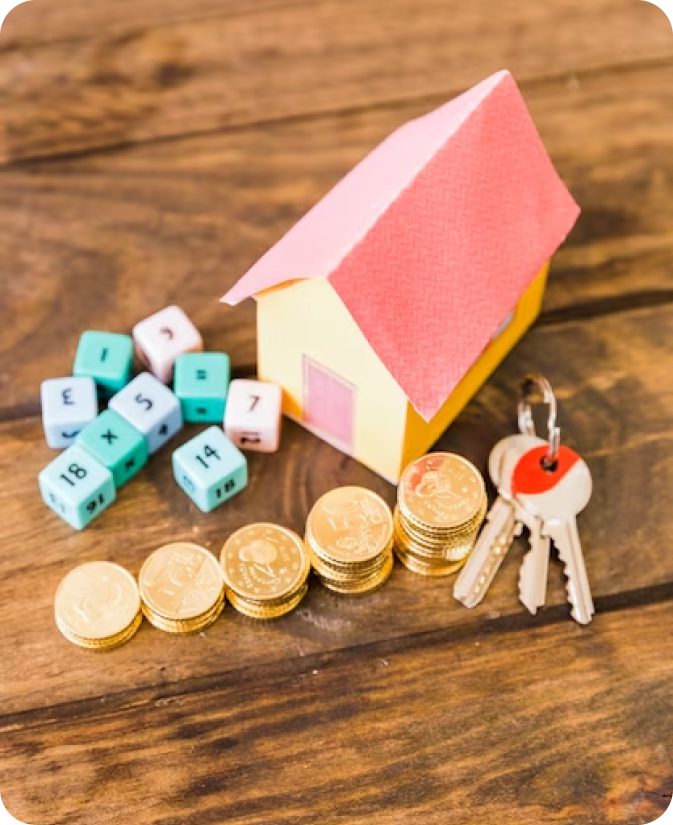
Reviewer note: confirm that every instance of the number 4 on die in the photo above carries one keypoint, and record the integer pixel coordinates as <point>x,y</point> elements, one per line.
<point>252,415</point>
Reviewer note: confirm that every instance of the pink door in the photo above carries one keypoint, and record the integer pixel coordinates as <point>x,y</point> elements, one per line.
<point>328,405</point>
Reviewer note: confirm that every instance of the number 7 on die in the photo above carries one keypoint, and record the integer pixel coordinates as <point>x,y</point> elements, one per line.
<point>252,415</point>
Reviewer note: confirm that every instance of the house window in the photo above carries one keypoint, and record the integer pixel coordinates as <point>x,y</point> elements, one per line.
<point>329,403</point>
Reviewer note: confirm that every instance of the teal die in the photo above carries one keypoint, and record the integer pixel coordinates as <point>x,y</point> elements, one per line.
<point>76,486</point>
<point>116,444</point>
<point>210,469</point>
<point>107,357</point>
<point>201,381</point>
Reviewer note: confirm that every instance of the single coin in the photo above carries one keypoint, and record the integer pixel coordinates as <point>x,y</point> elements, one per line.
<point>441,490</point>
<point>264,561</point>
<point>96,601</point>
<point>349,524</point>
<point>454,547</point>
<point>180,581</point>
<point>185,626</point>
<point>424,569</point>
<point>361,586</point>
<point>257,610</point>
<point>102,644</point>
<point>327,571</point>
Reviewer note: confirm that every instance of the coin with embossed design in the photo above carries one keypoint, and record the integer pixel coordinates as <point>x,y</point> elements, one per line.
<point>264,562</point>
<point>180,581</point>
<point>349,525</point>
<point>97,604</point>
<point>441,491</point>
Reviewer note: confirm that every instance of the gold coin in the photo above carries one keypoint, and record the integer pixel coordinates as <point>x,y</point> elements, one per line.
<point>327,571</point>
<point>441,490</point>
<point>349,525</point>
<point>102,644</point>
<point>180,581</point>
<point>96,601</point>
<point>425,569</point>
<point>256,610</point>
<point>435,535</point>
<point>448,548</point>
<point>360,586</point>
<point>264,561</point>
<point>194,625</point>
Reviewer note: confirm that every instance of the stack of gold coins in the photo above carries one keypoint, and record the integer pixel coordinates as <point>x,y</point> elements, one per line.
<point>265,570</point>
<point>349,533</point>
<point>97,606</point>
<point>181,587</point>
<point>441,504</point>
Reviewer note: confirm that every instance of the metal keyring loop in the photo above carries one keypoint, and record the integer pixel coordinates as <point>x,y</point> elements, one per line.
<point>536,388</point>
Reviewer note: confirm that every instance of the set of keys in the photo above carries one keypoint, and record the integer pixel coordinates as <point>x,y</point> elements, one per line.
<point>542,486</point>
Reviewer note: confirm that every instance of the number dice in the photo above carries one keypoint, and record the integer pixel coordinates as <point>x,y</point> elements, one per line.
<point>163,336</point>
<point>68,404</point>
<point>200,381</point>
<point>151,408</point>
<point>107,357</point>
<point>252,415</point>
<point>76,486</point>
<point>115,444</point>
<point>210,469</point>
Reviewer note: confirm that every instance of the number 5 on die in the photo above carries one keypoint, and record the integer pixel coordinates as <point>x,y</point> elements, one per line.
<point>252,415</point>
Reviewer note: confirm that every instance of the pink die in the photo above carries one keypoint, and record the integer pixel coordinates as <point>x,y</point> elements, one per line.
<point>252,415</point>
<point>163,336</point>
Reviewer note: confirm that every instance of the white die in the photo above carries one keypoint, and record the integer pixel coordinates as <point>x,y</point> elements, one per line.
<point>163,336</point>
<point>151,408</point>
<point>68,405</point>
<point>252,415</point>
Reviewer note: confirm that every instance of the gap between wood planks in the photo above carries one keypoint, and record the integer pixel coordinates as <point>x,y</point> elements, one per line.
<point>391,104</point>
<point>109,704</point>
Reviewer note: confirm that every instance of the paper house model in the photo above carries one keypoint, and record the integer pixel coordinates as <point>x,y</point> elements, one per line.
<point>387,305</point>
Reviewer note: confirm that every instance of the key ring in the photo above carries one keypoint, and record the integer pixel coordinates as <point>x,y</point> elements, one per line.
<point>534,386</point>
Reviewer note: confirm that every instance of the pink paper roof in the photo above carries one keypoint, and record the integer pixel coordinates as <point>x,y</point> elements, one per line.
<point>432,238</point>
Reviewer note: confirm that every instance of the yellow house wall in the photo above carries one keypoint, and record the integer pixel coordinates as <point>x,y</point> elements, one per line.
<point>420,435</point>
<point>309,318</point>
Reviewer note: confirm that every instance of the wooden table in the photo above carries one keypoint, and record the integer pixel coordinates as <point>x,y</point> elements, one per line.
<point>151,150</point>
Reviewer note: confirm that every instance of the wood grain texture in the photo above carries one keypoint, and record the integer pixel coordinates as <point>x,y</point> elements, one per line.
<point>91,84</point>
<point>150,151</point>
<point>615,400</point>
<point>102,241</point>
<point>520,724</point>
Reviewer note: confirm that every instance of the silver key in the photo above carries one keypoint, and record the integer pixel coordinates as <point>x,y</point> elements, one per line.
<point>501,524</point>
<point>556,496</point>
<point>534,568</point>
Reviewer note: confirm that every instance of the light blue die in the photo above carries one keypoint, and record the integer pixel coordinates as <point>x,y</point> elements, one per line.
<point>107,357</point>
<point>210,469</point>
<point>76,486</point>
<point>150,407</point>
<point>68,405</point>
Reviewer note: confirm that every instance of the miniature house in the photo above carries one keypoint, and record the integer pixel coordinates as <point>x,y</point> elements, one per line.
<point>387,305</point>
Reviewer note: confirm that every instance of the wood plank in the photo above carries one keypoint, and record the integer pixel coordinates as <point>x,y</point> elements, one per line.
<point>96,85</point>
<point>612,377</point>
<point>101,241</point>
<point>554,724</point>
<point>73,20</point>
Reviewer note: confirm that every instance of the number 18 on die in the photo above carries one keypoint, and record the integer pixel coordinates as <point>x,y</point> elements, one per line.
<point>76,486</point>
